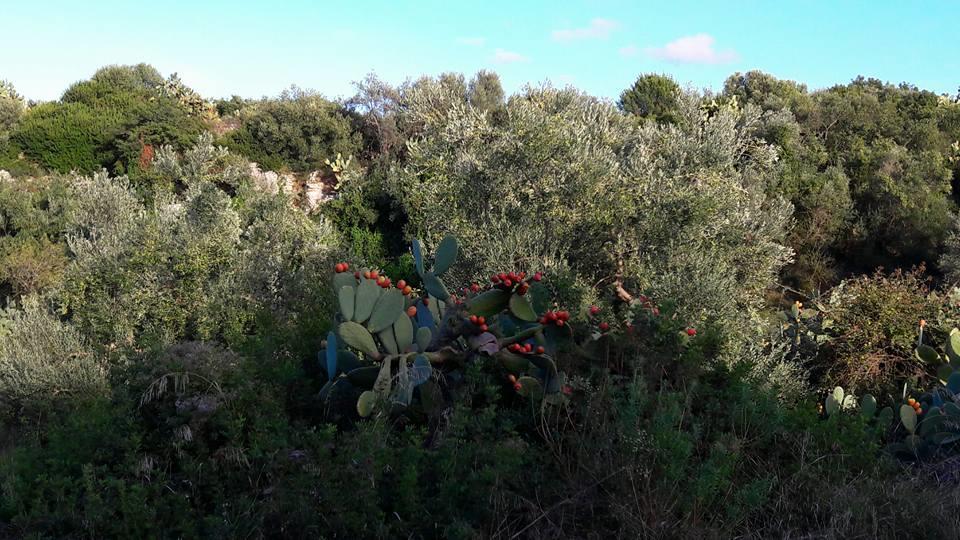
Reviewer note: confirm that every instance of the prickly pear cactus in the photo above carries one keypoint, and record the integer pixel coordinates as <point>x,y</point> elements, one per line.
<point>406,349</point>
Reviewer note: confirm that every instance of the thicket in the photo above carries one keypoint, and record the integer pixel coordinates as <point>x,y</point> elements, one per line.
<point>537,315</point>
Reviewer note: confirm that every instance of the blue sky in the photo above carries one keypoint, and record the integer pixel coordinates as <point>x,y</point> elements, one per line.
<point>258,48</point>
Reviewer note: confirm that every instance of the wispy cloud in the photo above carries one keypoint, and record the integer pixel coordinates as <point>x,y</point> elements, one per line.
<point>696,49</point>
<point>502,56</point>
<point>629,51</point>
<point>472,41</point>
<point>598,29</point>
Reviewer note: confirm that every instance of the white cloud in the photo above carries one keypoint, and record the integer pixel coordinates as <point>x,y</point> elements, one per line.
<point>629,50</point>
<point>696,49</point>
<point>472,41</point>
<point>598,29</point>
<point>501,56</point>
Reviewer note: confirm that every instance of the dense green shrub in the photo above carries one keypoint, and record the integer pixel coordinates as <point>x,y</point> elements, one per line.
<point>44,360</point>
<point>298,131</point>
<point>105,122</point>
<point>875,326</point>
<point>562,177</point>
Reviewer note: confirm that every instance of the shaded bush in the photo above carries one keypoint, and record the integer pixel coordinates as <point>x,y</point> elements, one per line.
<point>44,360</point>
<point>875,322</point>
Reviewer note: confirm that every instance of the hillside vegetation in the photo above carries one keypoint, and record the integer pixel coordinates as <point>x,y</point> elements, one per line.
<point>436,310</point>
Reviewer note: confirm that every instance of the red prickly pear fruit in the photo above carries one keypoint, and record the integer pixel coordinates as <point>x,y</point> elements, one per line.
<point>517,386</point>
<point>407,290</point>
<point>522,275</point>
<point>474,319</point>
<point>540,349</point>
<point>538,276</point>
<point>655,311</point>
<point>374,274</point>
<point>494,279</point>
<point>551,316</point>
<point>484,328</point>
<point>594,310</point>
<point>412,311</point>
<point>356,274</point>
<point>367,275</point>
<point>346,266</point>
<point>564,315</point>
<point>508,283</point>
<point>691,332</point>
<point>474,287</point>
<point>482,320</point>
<point>559,322</point>
<point>567,390</point>
<point>604,327</point>
<point>338,268</point>
<point>401,284</point>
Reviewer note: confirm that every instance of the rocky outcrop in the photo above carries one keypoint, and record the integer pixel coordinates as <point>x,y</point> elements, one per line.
<point>309,192</point>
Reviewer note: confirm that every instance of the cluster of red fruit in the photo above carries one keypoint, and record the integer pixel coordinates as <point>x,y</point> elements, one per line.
<point>916,405</point>
<point>479,322</point>
<point>603,326</point>
<point>691,331</point>
<point>645,302</point>
<point>558,318</point>
<point>507,281</point>
<point>516,384</point>
<point>341,267</point>
<point>526,348</point>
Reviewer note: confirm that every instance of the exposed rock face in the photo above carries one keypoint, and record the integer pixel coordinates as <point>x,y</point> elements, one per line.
<point>316,191</point>
<point>272,182</point>
<point>309,192</point>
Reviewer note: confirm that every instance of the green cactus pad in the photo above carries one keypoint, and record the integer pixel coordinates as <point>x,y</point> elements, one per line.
<point>831,405</point>
<point>424,337</point>
<point>953,382</point>
<point>366,403</point>
<point>446,255</point>
<point>944,372</point>
<point>927,354</point>
<point>417,255</point>
<point>838,394</point>
<point>513,362</point>
<point>868,405</point>
<point>953,346</point>
<point>403,331</point>
<point>343,279</point>
<point>384,378</point>
<point>521,308</point>
<point>849,402</point>
<point>909,418</point>
<point>367,295</point>
<point>489,303</point>
<point>356,336</point>
<point>331,354</point>
<point>931,422</point>
<point>346,297</point>
<point>435,287</point>
<point>434,306</point>
<point>385,312</point>
<point>388,341</point>
<point>952,409</point>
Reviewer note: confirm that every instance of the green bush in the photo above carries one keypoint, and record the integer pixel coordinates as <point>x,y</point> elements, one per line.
<point>297,131</point>
<point>44,360</point>
<point>562,177</point>
<point>105,122</point>
<point>876,325</point>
